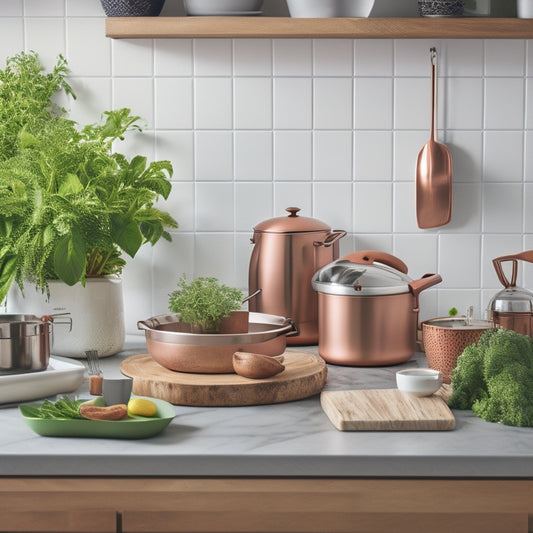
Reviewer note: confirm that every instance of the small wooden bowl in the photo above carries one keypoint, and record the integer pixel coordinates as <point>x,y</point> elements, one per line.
<point>256,366</point>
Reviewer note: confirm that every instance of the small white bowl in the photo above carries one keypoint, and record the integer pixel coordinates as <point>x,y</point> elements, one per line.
<point>329,8</point>
<point>419,381</point>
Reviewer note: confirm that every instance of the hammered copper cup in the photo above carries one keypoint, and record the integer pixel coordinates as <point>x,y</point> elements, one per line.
<point>446,338</point>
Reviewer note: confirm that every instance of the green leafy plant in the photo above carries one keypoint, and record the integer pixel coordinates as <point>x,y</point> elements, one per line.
<point>64,408</point>
<point>204,301</point>
<point>494,378</point>
<point>69,205</point>
<point>453,311</point>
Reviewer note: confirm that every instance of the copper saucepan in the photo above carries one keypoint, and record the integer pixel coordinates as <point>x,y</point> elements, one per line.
<point>368,309</point>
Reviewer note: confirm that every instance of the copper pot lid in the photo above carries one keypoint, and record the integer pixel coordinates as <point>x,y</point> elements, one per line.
<point>512,300</point>
<point>293,223</point>
<point>354,279</point>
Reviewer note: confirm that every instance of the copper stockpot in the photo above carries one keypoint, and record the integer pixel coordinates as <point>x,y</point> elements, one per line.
<point>287,252</point>
<point>367,312</point>
<point>512,307</point>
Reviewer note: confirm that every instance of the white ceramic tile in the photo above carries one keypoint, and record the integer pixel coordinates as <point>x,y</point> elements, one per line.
<point>347,245</point>
<point>252,57</point>
<point>213,158</point>
<point>332,155</point>
<point>89,50</point>
<point>494,246</point>
<point>214,255</point>
<point>333,204</point>
<point>11,8</point>
<point>213,107</point>
<point>404,216</point>
<point>253,103</point>
<point>504,57</point>
<point>529,155</point>
<point>412,100</point>
<point>253,155</point>
<point>332,103</point>
<point>93,97</point>
<point>502,207</point>
<point>529,57</point>
<point>382,243</point>
<point>292,57</point>
<point>214,206</point>
<point>373,103</point>
<point>254,203</point>
<point>527,268</point>
<point>461,103</point>
<point>528,199</point>
<point>292,103</point>
<point>178,148</point>
<point>132,57</point>
<point>459,261</point>
<point>47,38</point>
<point>333,57</point>
<point>466,148</point>
<point>466,208</point>
<point>529,103</point>
<point>428,301</point>
<point>38,8</point>
<point>372,207</point>
<point>461,57</point>
<point>173,103</point>
<point>374,57</point>
<point>418,252</point>
<point>180,204</point>
<point>292,155</point>
<point>504,103</point>
<point>504,155</point>
<point>136,94</point>
<point>297,194</point>
<point>212,57</point>
<point>11,38</point>
<point>84,8</point>
<point>136,143</point>
<point>412,57</point>
<point>461,299</point>
<point>372,155</point>
<point>407,145</point>
<point>173,57</point>
<point>243,252</point>
<point>171,260</point>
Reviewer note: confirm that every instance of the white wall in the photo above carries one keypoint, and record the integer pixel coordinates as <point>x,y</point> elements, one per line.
<point>331,126</point>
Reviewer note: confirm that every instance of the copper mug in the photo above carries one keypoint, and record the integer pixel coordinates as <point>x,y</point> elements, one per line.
<point>287,252</point>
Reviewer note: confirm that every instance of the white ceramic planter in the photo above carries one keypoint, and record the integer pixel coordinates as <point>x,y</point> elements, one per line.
<point>524,9</point>
<point>329,8</point>
<point>96,310</point>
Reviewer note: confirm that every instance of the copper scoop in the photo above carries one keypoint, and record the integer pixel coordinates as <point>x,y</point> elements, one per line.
<point>434,170</point>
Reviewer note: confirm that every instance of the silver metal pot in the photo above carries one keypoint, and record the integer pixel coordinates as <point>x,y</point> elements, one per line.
<point>24,343</point>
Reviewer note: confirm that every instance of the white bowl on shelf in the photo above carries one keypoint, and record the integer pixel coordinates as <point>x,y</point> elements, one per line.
<point>222,7</point>
<point>329,8</point>
<point>524,9</point>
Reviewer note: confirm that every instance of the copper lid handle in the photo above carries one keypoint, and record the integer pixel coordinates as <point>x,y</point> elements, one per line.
<point>369,257</point>
<point>523,256</point>
<point>293,211</point>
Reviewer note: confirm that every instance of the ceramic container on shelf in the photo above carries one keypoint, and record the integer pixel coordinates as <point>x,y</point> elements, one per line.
<point>222,7</point>
<point>329,8</point>
<point>132,8</point>
<point>441,8</point>
<point>96,311</point>
<point>524,9</point>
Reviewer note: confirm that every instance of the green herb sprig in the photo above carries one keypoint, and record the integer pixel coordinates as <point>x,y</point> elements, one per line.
<point>64,408</point>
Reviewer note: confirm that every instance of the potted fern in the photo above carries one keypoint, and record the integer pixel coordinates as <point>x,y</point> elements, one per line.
<point>70,208</point>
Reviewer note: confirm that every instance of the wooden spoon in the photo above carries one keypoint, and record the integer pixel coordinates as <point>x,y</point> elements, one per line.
<point>434,171</point>
<point>255,365</point>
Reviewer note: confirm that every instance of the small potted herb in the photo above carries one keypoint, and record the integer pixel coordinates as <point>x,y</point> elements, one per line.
<point>209,306</point>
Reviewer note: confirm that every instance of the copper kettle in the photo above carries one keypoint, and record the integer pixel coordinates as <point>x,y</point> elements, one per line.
<point>512,307</point>
<point>287,252</point>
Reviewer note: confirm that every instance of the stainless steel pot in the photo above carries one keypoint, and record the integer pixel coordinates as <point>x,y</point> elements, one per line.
<point>287,252</point>
<point>24,343</point>
<point>171,344</point>
<point>368,309</point>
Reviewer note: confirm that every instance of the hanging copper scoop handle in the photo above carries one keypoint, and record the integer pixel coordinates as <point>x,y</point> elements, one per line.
<point>523,256</point>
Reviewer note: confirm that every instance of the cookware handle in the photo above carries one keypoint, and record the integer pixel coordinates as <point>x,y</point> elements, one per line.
<point>523,256</point>
<point>294,328</point>
<point>368,257</point>
<point>331,239</point>
<point>426,281</point>
<point>141,324</point>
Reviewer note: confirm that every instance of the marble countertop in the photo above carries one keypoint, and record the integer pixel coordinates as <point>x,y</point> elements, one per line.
<point>294,439</point>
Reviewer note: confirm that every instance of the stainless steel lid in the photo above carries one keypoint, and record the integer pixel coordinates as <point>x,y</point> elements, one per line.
<point>16,326</point>
<point>512,300</point>
<point>354,279</point>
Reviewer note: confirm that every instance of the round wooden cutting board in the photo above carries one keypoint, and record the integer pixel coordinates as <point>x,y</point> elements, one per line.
<point>304,375</point>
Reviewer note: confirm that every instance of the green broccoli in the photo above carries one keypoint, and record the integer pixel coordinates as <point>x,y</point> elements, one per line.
<point>494,378</point>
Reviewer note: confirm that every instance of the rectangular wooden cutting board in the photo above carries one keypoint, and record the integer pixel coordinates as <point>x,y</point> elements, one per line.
<point>386,410</point>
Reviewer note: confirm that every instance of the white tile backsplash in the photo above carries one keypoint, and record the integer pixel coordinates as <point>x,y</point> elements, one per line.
<point>333,126</point>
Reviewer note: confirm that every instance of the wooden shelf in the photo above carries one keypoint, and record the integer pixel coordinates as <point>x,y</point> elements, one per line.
<point>350,28</point>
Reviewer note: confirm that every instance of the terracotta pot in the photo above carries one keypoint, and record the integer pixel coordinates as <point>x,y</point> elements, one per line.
<point>445,339</point>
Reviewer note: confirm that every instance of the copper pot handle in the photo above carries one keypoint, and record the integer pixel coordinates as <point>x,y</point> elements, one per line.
<point>523,256</point>
<point>331,239</point>
<point>426,281</point>
<point>369,257</point>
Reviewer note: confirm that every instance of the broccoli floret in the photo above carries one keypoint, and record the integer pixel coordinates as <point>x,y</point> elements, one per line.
<point>495,378</point>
